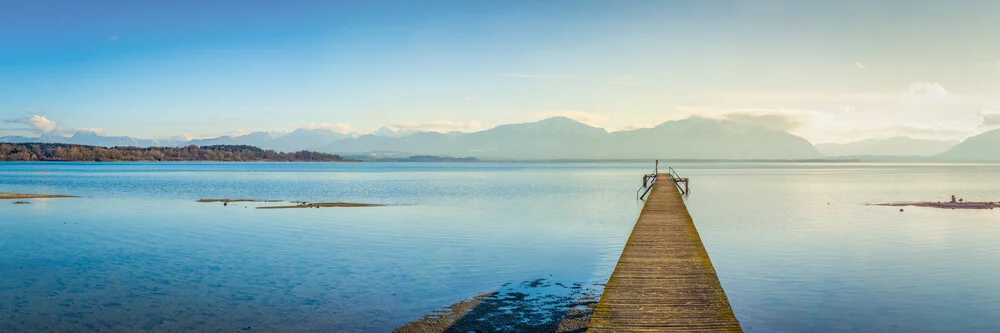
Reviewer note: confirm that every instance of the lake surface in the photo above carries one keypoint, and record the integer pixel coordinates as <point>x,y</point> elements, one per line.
<point>795,245</point>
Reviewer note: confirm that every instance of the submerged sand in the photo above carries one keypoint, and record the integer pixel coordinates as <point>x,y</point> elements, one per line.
<point>32,196</point>
<point>528,307</point>
<point>441,320</point>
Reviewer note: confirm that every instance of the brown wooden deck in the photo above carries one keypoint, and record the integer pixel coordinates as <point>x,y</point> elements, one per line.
<point>664,281</point>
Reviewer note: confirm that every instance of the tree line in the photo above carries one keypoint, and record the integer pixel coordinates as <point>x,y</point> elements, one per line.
<point>80,153</point>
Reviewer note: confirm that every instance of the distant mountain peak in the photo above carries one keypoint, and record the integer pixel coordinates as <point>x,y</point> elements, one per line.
<point>984,147</point>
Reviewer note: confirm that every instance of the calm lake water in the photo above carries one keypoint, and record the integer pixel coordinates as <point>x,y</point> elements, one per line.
<point>795,245</point>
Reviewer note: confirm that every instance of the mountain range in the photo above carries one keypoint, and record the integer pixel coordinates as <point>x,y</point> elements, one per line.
<point>894,146</point>
<point>564,138</point>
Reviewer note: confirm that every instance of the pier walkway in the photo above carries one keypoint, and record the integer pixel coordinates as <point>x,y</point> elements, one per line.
<point>664,280</point>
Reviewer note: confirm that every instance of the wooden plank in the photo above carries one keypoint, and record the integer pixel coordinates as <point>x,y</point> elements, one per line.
<point>664,281</point>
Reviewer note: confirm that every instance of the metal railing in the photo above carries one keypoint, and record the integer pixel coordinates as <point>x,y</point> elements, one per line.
<point>652,180</point>
<point>674,178</point>
<point>673,174</point>
<point>677,179</point>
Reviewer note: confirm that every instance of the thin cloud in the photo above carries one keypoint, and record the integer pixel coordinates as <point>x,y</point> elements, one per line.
<point>336,127</point>
<point>439,126</point>
<point>781,97</point>
<point>233,119</point>
<point>113,38</point>
<point>928,89</point>
<point>991,119</point>
<point>860,65</point>
<point>537,76</point>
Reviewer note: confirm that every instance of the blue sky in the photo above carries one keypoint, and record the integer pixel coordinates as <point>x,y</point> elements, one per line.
<point>831,72</point>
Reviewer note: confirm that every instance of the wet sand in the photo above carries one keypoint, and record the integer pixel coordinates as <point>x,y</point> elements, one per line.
<point>32,196</point>
<point>945,205</point>
<point>322,204</point>
<point>439,321</point>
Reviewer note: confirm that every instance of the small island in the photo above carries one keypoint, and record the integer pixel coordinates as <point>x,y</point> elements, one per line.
<point>297,204</point>
<point>955,203</point>
<point>29,152</point>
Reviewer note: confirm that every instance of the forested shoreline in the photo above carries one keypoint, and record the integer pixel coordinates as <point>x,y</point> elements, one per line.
<point>26,152</point>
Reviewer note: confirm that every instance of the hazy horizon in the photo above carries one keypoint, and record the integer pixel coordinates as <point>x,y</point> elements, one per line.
<point>828,72</point>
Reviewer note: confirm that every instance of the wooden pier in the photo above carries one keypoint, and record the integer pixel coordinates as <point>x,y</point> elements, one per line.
<point>664,280</point>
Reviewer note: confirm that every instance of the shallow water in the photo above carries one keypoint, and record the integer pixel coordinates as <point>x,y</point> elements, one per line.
<point>137,253</point>
<point>795,245</point>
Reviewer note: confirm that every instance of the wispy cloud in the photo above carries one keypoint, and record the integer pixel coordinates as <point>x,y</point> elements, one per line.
<point>336,127</point>
<point>467,98</point>
<point>113,38</point>
<point>782,97</point>
<point>592,119</point>
<point>537,76</point>
<point>439,126</point>
<point>233,119</point>
<point>621,80</point>
<point>860,65</point>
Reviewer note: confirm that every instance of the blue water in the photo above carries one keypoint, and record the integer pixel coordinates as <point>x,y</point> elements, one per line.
<point>136,252</point>
<point>795,245</point>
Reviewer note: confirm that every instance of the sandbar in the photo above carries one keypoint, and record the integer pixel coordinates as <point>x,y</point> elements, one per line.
<point>946,205</point>
<point>32,196</point>
<point>322,204</point>
<point>236,200</point>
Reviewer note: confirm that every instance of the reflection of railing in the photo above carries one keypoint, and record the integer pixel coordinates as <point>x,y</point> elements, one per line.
<point>651,179</point>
